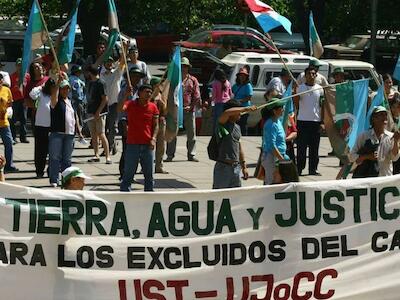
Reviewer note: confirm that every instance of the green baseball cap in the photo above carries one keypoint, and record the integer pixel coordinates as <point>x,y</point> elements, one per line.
<point>18,61</point>
<point>155,80</point>
<point>64,83</point>
<point>185,62</point>
<point>71,172</point>
<point>274,103</point>
<point>338,70</point>
<point>314,62</point>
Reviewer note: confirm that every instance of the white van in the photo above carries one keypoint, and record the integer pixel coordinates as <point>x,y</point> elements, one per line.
<point>263,67</point>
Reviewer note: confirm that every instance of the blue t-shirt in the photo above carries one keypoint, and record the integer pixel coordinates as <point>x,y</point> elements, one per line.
<point>274,136</point>
<point>241,91</point>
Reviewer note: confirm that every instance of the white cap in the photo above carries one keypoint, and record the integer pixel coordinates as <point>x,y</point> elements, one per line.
<point>71,172</point>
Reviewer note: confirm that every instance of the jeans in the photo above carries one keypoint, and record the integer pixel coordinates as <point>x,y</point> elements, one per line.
<point>41,148</point>
<point>308,136</point>
<point>190,128</point>
<point>60,152</point>
<point>160,144</point>
<point>19,114</point>
<point>7,139</point>
<point>226,176</point>
<point>133,155</point>
<point>111,125</point>
<point>123,130</point>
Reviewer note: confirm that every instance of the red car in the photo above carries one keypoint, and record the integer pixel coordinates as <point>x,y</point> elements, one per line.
<point>211,41</point>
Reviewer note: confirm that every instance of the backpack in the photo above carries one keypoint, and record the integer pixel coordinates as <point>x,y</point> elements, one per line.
<point>215,142</point>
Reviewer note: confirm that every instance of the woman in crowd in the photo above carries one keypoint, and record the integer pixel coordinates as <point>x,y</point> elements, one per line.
<point>35,78</point>
<point>243,91</point>
<point>41,97</point>
<point>376,148</point>
<point>63,125</point>
<point>395,109</point>
<point>274,141</point>
<point>388,86</point>
<point>221,93</point>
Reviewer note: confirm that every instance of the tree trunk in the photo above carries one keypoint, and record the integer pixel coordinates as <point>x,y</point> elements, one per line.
<point>91,16</point>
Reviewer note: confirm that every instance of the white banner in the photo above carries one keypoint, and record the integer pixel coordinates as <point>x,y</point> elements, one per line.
<point>322,240</point>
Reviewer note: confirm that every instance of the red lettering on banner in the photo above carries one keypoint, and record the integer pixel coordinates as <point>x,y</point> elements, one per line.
<point>269,279</point>
<point>148,285</point>
<point>296,282</point>
<point>156,290</point>
<point>178,285</point>
<point>320,277</point>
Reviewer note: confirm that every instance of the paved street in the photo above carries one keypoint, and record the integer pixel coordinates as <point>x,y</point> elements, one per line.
<point>183,175</point>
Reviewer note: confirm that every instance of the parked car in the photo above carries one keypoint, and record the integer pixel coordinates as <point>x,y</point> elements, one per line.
<point>293,42</point>
<point>263,67</point>
<point>212,40</point>
<point>358,47</point>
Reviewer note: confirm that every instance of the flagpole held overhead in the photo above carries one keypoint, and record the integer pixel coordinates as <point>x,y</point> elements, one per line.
<point>49,39</point>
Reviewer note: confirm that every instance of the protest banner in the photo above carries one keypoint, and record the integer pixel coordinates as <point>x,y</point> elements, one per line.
<point>322,240</point>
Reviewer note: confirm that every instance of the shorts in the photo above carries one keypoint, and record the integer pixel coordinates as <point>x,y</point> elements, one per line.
<point>97,126</point>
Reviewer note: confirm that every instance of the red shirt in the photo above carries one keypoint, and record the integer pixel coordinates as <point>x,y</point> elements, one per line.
<point>15,90</point>
<point>140,122</point>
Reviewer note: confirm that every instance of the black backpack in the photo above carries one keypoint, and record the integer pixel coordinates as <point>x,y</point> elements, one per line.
<point>215,142</point>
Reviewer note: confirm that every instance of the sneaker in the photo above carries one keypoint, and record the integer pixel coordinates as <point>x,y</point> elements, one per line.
<point>24,141</point>
<point>168,159</point>
<point>14,142</point>
<point>11,170</point>
<point>114,151</point>
<point>109,161</point>
<point>193,159</point>
<point>161,171</point>
<point>53,185</point>
<point>40,175</point>
<point>94,159</point>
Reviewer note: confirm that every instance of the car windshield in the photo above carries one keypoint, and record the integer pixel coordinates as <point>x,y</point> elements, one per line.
<point>354,42</point>
<point>201,37</point>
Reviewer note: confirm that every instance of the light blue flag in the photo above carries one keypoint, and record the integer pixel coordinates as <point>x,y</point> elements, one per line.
<point>360,94</point>
<point>379,99</point>
<point>396,73</point>
<point>289,107</point>
<point>66,47</point>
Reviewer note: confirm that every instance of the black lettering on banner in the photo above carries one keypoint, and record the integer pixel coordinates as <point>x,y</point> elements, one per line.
<point>61,258</point>
<point>277,251</point>
<point>136,261</point>
<point>328,246</point>
<point>187,263</point>
<point>16,203</point>
<point>261,250</point>
<point>38,256</point>
<point>310,253</point>
<point>167,258</point>
<point>206,256</point>
<point>395,240</point>
<point>155,258</point>
<point>105,259</point>
<point>374,241</point>
<point>209,227</point>
<point>17,252</point>
<point>234,249</point>
<point>157,221</point>
<point>85,252</point>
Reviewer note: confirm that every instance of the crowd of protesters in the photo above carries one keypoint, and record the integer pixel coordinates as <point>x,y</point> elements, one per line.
<point>106,97</point>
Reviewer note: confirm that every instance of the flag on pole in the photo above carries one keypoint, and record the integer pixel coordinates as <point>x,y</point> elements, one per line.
<point>172,91</point>
<point>35,37</point>
<point>316,48</point>
<point>396,73</point>
<point>378,100</point>
<point>113,28</point>
<point>267,17</point>
<point>66,46</point>
<point>289,107</point>
<point>345,109</point>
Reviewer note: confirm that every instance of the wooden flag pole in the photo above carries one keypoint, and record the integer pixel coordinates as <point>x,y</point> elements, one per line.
<point>281,58</point>
<point>49,38</point>
<point>124,55</point>
<point>299,94</point>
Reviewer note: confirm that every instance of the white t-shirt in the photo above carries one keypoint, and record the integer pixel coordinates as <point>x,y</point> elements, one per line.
<point>42,117</point>
<point>309,103</point>
<point>69,118</point>
<point>112,84</point>
<point>6,78</point>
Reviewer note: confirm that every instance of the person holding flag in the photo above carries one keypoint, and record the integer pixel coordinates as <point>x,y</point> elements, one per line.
<point>375,148</point>
<point>280,82</point>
